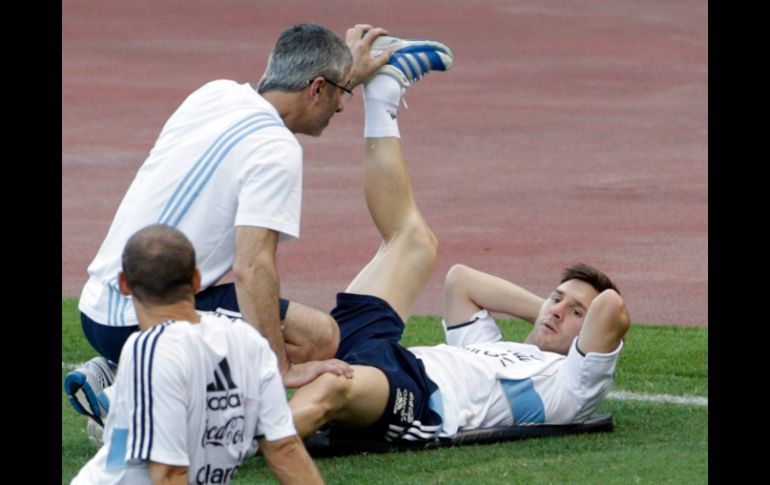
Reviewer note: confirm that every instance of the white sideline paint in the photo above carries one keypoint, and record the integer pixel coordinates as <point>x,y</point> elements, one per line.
<point>617,395</point>
<point>658,398</point>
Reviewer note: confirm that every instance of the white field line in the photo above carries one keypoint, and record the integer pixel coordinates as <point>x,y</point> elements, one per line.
<point>617,395</point>
<point>659,398</point>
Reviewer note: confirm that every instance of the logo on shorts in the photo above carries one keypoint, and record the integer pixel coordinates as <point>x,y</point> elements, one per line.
<point>392,114</point>
<point>404,405</point>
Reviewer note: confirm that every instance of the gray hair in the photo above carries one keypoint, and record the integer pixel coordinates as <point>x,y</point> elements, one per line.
<point>304,51</point>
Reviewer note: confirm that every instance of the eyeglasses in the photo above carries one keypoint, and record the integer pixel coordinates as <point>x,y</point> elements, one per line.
<point>346,93</point>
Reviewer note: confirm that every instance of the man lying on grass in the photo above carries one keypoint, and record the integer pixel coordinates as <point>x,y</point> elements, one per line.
<point>559,375</point>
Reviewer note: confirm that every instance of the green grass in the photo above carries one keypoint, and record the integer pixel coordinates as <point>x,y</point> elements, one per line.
<point>652,443</point>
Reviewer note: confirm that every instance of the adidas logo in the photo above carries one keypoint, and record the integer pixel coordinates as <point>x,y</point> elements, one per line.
<point>221,378</point>
<point>223,383</point>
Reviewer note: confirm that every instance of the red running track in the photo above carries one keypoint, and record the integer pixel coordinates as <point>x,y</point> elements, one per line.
<point>567,131</point>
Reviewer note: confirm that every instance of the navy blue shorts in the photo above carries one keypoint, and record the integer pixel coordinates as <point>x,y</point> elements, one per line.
<point>223,296</point>
<point>108,340</point>
<point>370,331</point>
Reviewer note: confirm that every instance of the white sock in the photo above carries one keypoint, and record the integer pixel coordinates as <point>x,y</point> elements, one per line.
<point>381,97</point>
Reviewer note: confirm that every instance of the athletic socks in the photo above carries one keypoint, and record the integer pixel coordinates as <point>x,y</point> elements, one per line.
<point>382,93</point>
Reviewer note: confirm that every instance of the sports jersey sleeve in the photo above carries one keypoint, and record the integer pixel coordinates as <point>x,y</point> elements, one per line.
<point>585,380</point>
<point>157,377</point>
<point>274,421</point>
<point>271,186</point>
<point>480,329</point>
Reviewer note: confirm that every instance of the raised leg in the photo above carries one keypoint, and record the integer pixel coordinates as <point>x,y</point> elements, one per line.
<point>409,250</point>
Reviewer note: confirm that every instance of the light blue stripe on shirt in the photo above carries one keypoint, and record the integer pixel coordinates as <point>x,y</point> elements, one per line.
<point>117,305</point>
<point>192,184</point>
<point>116,456</point>
<point>212,167</point>
<point>526,404</point>
<point>112,317</point>
<point>436,403</point>
<point>203,158</point>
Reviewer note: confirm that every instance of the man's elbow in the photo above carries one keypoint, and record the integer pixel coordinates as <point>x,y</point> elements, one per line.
<point>612,304</point>
<point>246,270</point>
<point>162,474</point>
<point>458,282</point>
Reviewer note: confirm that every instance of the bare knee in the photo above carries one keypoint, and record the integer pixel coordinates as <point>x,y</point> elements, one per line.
<point>310,334</point>
<point>328,338</point>
<point>422,242</point>
<point>319,402</point>
<point>333,396</point>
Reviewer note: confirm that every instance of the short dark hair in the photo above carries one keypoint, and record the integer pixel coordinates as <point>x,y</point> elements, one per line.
<point>159,265</point>
<point>590,275</point>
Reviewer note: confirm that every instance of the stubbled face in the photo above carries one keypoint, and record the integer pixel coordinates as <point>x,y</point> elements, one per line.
<point>561,316</point>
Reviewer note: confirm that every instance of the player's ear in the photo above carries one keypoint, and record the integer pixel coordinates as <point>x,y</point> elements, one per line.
<point>123,284</point>
<point>315,87</point>
<point>196,282</point>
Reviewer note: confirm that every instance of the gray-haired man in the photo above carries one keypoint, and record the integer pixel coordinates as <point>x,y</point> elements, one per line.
<point>226,170</point>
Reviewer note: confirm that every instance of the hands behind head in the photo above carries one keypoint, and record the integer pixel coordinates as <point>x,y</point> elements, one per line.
<point>359,39</point>
<point>301,374</point>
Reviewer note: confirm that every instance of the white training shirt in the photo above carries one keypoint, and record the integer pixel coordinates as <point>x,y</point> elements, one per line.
<point>223,159</point>
<point>485,382</point>
<point>194,395</point>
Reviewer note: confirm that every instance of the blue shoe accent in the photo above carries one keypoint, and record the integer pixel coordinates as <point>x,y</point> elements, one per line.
<point>412,59</point>
<point>76,381</point>
<point>85,386</point>
<point>73,382</point>
<point>104,401</point>
<point>423,48</point>
<point>435,61</point>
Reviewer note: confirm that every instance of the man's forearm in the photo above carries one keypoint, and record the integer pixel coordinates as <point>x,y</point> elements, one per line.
<point>289,461</point>
<point>256,285</point>
<point>605,324</point>
<point>466,290</point>
<point>258,293</point>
